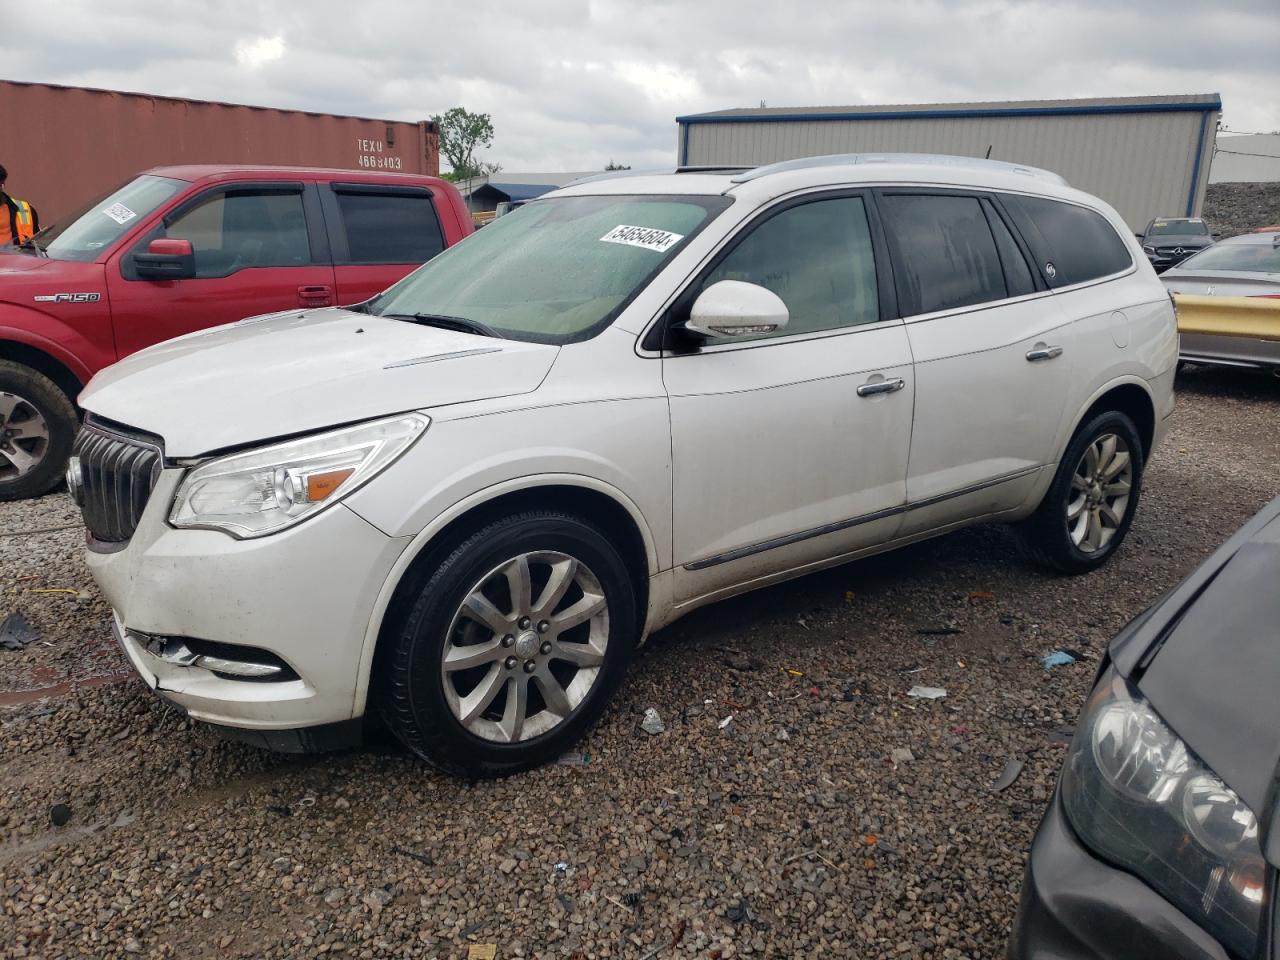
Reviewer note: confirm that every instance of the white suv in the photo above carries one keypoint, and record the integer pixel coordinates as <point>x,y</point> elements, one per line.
<point>461,505</point>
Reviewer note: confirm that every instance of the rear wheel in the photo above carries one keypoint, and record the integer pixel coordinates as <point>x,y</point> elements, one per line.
<point>37,429</point>
<point>512,648</point>
<point>1089,508</point>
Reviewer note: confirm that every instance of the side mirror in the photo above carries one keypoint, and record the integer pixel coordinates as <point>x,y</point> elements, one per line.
<point>166,259</point>
<point>732,308</point>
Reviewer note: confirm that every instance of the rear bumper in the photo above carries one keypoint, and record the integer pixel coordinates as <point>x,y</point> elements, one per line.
<point>1229,351</point>
<point>1075,907</point>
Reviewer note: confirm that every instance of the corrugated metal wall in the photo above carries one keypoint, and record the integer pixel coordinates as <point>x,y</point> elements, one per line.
<point>1143,164</point>
<point>69,144</point>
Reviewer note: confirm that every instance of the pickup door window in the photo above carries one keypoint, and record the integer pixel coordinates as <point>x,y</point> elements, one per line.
<point>256,250</point>
<point>379,234</point>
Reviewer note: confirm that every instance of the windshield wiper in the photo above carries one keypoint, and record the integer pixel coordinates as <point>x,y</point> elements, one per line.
<point>447,323</point>
<point>30,244</point>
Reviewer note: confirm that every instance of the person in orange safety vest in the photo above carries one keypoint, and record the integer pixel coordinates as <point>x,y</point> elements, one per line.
<point>19,221</point>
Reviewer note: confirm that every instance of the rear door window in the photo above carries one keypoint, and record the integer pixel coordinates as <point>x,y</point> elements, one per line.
<point>388,226</point>
<point>1017,275</point>
<point>1075,244</point>
<point>944,256</point>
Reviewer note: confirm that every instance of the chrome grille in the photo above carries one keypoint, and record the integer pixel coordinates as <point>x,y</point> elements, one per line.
<point>116,475</point>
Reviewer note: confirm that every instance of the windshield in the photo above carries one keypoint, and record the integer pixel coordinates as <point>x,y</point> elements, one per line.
<point>555,270</point>
<point>99,225</point>
<point>1246,257</point>
<point>1178,228</point>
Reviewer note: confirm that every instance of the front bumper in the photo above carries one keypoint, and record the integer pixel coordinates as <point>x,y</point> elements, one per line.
<point>305,595</point>
<point>1075,907</point>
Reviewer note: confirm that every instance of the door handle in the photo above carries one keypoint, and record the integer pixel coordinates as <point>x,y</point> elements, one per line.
<point>315,295</point>
<point>881,386</point>
<point>1042,352</point>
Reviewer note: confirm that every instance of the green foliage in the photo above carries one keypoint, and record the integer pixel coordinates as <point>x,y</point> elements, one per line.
<point>462,133</point>
<point>616,166</point>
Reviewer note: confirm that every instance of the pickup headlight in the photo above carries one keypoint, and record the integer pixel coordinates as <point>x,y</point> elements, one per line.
<point>1138,797</point>
<point>266,490</point>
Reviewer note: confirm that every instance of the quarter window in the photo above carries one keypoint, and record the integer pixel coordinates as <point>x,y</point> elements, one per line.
<point>235,231</point>
<point>389,228</point>
<point>818,258</point>
<point>1079,242</point>
<point>944,254</point>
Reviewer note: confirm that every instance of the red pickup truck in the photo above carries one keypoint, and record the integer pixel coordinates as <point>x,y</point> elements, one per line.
<point>178,249</point>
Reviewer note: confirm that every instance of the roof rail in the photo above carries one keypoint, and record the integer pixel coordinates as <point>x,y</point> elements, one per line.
<point>618,174</point>
<point>715,168</point>
<point>930,159</point>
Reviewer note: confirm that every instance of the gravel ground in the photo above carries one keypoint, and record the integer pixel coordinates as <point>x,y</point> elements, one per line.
<point>801,828</point>
<point>1234,208</point>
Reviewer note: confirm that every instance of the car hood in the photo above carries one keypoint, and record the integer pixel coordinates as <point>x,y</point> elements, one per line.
<point>296,372</point>
<point>1214,663</point>
<point>12,262</point>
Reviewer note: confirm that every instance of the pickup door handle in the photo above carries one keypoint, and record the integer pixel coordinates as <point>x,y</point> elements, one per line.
<point>881,386</point>
<point>315,295</point>
<point>1042,352</point>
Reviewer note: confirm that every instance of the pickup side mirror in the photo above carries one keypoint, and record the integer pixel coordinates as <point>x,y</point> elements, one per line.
<point>732,308</point>
<point>166,259</point>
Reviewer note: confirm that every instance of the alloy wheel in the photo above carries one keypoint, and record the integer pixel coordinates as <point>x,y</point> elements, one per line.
<point>525,647</point>
<point>24,436</point>
<point>1099,495</point>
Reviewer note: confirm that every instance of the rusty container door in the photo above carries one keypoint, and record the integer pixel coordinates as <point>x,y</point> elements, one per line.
<point>70,144</point>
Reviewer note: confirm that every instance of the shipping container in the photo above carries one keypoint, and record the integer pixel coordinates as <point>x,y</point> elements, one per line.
<point>1146,156</point>
<point>67,145</point>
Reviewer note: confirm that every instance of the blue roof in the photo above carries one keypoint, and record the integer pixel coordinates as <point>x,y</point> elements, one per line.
<point>520,191</point>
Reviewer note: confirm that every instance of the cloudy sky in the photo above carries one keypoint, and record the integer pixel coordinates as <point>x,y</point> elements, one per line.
<point>571,84</point>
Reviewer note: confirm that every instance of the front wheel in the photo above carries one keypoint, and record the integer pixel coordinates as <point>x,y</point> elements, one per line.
<point>37,429</point>
<point>512,648</point>
<point>1090,505</point>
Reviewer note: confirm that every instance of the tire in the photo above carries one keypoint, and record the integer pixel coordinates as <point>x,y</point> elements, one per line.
<point>1054,535</point>
<point>38,427</point>
<point>435,712</point>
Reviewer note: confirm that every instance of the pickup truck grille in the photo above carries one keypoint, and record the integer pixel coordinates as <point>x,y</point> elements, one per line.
<point>113,478</point>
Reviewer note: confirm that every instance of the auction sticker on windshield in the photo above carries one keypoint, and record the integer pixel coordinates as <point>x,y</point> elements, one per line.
<point>648,237</point>
<point>119,213</point>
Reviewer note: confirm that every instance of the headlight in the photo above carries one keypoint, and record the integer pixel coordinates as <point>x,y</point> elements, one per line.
<point>271,488</point>
<point>1149,249</point>
<point>1141,799</point>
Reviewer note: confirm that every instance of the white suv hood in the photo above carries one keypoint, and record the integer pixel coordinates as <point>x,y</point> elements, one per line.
<point>303,371</point>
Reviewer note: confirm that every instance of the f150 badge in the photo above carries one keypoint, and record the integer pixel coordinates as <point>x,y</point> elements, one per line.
<point>68,298</point>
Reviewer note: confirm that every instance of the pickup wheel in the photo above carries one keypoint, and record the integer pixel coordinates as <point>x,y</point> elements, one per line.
<point>1090,505</point>
<point>512,648</point>
<point>37,429</point>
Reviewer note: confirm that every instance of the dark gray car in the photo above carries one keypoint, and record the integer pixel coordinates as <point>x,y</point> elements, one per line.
<point>1168,241</point>
<point>1162,839</point>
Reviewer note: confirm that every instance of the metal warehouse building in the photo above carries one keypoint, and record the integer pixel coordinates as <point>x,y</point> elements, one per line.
<point>1146,156</point>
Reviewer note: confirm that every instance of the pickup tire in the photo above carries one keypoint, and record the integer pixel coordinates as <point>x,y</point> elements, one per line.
<point>512,648</point>
<point>38,426</point>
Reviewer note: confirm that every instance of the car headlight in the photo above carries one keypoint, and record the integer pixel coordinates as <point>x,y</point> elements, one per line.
<point>1147,248</point>
<point>266,490</point>
<point>1138,797</point>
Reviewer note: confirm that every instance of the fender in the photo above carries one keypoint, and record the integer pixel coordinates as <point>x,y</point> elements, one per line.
<point>1096,395</point>
<point>56,339</point>
<point>425,536</point>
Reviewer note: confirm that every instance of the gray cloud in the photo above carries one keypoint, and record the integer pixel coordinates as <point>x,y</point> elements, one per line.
<point>573,83</point>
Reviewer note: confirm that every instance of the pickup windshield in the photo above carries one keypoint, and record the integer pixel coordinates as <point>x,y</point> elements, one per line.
<point>99,225</point>
<point>556,270</point>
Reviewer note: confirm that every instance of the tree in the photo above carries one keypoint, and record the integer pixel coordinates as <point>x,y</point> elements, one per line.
<point>461,134</point>
<point>616,166</point>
